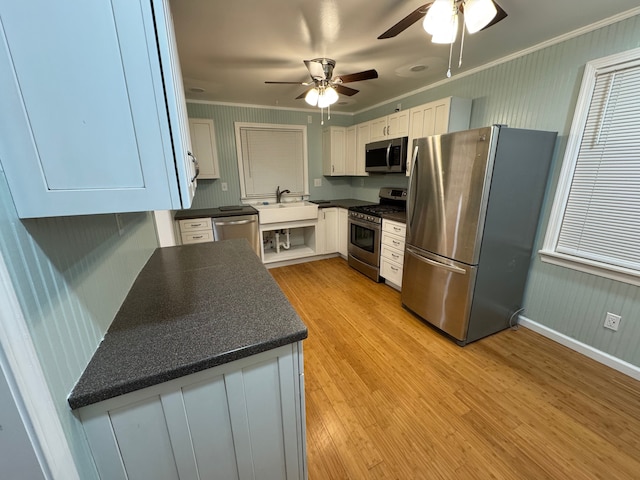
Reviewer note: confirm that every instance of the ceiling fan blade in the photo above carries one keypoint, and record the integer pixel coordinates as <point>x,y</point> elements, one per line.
<point>357,77</point>
<point>316,69</point>
<point>501,15</point>
<point>406,22</point>
<point>341,89</point>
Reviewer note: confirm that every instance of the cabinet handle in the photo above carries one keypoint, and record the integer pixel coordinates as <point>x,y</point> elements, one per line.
<point>397,229</point>
<point>195,237</point>
<point>395,269</point>
<point>195,225</point>
<point>395,242</point>
<point>395,255</point>
<point>333,168</point>
<point>197,165</point>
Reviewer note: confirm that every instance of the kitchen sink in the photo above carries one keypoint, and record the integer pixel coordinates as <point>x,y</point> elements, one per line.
<point>286,212</point>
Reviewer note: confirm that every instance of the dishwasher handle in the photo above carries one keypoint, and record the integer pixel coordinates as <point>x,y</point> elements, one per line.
<point>237,222</point>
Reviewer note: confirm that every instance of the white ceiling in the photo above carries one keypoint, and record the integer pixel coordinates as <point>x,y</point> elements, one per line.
<point>229,48</point>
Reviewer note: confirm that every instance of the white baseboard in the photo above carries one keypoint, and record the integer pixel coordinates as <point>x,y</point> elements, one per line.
<point>587,350</point>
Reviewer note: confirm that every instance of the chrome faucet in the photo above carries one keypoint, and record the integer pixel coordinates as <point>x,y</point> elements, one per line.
<point>280,193</point>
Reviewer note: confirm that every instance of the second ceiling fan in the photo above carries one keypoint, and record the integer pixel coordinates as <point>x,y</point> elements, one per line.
<point>441,20</point>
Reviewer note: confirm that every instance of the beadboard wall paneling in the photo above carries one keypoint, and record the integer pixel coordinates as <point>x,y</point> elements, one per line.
<point>209,192</point>
<point>540,91</point>
<point>71,275</point>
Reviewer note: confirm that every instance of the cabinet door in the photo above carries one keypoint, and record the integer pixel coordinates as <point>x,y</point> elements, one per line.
<point>330,221</point>
<point>343,232</point>
<point>378,129</point>
<point>86,119</point>
<point>203,142</point>
<point>398,124</point>
<point>333,151</point>
<point>350,150</point>
<point>362,138</point>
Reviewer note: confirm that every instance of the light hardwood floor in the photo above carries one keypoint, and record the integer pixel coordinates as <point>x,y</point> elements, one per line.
<point>389,398</point>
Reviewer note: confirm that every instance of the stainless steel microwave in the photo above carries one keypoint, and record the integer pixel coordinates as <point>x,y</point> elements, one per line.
<point>387,156</point>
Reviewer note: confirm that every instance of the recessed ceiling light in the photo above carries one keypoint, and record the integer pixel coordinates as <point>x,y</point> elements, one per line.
<point>418,68</point>
<point>196,90</point>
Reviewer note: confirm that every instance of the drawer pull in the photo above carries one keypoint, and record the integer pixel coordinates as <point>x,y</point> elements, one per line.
<point>395,269</point>
<point>196,224</point>
<point>195,237</point>
<point>397,229</point>
<point>395,255</point>
<point>395,242</point>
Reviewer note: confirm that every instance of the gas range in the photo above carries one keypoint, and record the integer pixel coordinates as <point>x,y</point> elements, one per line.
<point>365,230</point>
<point>392,200</point>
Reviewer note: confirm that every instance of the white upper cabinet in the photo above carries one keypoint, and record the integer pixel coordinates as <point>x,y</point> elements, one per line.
<point>350,150</point>
<point>333,151</point>
<point>92,109</point>
<point>449,114</point>
<point>392,126</point>
<point>363,137</point>
<point>203,142</point>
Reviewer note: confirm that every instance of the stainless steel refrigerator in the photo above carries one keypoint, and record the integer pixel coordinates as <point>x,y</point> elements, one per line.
<point>472,215</point>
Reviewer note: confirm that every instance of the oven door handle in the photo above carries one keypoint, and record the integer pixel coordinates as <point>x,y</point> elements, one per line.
<point>365,224</point>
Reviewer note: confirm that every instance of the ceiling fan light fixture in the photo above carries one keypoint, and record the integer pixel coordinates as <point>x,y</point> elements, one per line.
<point>447,31</point>
<point>312,97</point>
<point>478,14</point>
<point>327,97</point>
<point>439,14</point>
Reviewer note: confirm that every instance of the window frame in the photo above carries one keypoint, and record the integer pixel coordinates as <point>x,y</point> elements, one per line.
<point>241,171</point>
<point>548,253</point>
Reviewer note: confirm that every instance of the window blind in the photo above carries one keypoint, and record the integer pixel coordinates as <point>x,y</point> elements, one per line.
<point>272,157</point>
<point>602,216</point>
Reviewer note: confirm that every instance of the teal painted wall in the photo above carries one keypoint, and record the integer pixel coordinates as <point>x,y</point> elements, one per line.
<point>209,192</point>
<point>71,275</point>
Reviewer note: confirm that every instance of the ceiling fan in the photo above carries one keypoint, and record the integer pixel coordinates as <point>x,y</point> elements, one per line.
<point>326,87</point>
<point>441,19</point>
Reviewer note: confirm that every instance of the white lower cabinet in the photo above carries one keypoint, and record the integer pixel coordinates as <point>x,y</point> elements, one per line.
<point>343,232</point>
<point>242,420</point>
<point>328,230</point>
<point>392,252</point>
<point>196,230</point>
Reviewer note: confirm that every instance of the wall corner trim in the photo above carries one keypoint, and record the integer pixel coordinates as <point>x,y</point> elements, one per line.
<point>599,356</point>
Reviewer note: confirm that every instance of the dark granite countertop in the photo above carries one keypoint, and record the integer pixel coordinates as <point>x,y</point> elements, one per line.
<point>342,203</point>
<point>225,211</point>
<point>397,216</point>
<point>192,307</point>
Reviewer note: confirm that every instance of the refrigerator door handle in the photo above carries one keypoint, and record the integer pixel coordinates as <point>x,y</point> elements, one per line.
<point>451,268</point>
<point>412,186</point>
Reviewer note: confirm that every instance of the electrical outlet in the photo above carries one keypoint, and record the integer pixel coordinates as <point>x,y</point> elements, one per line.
<point>317,182</point>
<point>224,186</point>
<point>612,321</point>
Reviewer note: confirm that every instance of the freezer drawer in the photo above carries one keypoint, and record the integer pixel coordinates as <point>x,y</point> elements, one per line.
<point>439,290</point>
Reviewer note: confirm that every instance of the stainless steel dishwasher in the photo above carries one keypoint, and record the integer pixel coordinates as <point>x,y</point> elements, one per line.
<point>240,226</point>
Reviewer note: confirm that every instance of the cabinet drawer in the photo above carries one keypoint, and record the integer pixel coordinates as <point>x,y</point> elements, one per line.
<point>197,237</point>
<point>391,271</point>
<point>393,241</point>
<point>392,254</point>
<point>195,224</point>
<point>396,228</point>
